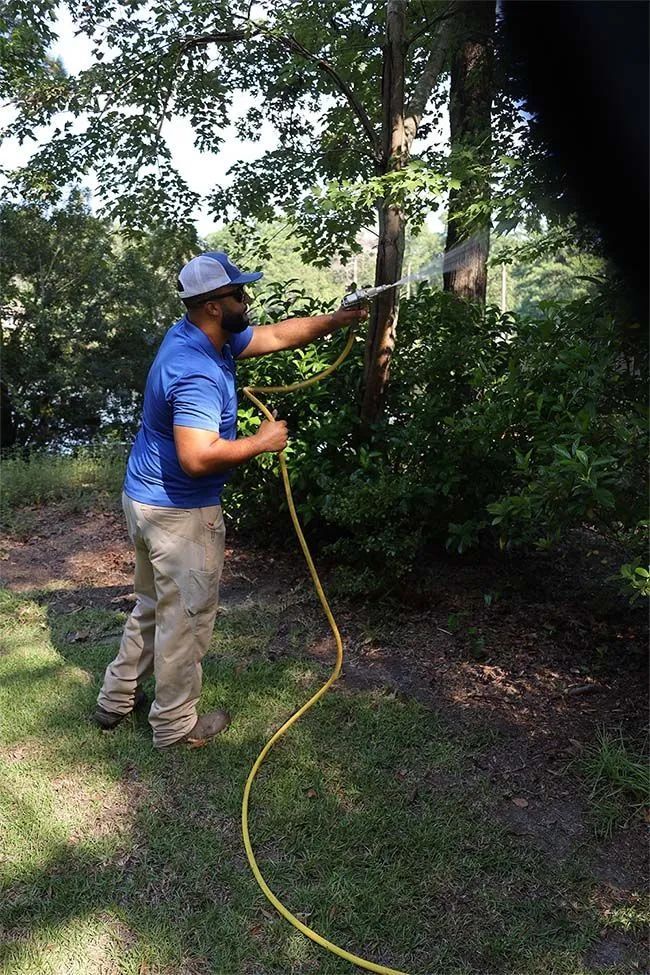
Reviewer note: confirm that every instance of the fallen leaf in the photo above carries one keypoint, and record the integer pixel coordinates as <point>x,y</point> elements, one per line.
<point>521,803</point>
<point>311,793</point>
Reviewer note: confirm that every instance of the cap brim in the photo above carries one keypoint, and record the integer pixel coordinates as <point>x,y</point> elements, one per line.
<point>247,278</point>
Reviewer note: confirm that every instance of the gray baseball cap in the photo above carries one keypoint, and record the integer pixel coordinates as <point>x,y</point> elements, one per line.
<point>210,271</point>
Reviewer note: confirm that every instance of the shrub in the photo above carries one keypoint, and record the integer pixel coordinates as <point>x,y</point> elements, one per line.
<point>498,430</point>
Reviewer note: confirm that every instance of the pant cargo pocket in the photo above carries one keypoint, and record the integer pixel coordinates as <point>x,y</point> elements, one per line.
<point>201,591</point>
<point>201,599</point>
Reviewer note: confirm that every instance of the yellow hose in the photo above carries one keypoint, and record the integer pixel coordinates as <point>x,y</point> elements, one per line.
<point>279,906</point>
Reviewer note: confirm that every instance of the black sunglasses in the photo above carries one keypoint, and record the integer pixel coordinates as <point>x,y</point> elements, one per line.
<point>237,293</point>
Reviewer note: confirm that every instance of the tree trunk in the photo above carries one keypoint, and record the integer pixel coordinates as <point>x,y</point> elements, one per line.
<point>400,126</point>
<point>7,418</point>
<point>383,315</point>
<point>390,250</point>
<point>470,109</point>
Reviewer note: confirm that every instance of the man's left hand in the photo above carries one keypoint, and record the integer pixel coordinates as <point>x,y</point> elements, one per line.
<point>348,316</point>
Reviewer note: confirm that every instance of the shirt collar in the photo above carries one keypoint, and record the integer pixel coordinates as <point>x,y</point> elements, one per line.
<point>200,340</point>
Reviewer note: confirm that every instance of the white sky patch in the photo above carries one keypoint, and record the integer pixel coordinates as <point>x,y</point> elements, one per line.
<point>201,170</point>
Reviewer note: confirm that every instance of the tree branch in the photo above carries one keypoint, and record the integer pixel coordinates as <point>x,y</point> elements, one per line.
<point>445,15</point>
<point>341,84</point>
<point>220,38</point>
<point>430,74</point>
<point>289,41</point>
<point>168,97</point>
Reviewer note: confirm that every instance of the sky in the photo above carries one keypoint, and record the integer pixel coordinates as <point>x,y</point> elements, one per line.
<point>202,170</point>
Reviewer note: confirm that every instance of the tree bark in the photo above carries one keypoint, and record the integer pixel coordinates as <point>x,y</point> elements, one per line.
<point>399,129</point>
<point>390,249</point>
<point>7,418</point>
<point>470,110</point>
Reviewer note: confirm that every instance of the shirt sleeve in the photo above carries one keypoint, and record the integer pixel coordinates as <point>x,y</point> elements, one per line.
<point>240,340</point>
<point>197,401</point>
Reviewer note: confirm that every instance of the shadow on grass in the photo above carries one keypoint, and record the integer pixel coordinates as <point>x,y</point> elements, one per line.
<point>116,845</point>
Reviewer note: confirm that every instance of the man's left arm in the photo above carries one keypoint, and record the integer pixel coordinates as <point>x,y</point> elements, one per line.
<point>296,332</point>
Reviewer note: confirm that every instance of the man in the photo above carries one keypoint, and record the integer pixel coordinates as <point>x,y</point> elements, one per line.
<point>183,454</point>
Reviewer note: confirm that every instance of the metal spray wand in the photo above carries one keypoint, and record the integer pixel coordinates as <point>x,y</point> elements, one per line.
<point>450,260</point>
<point>362,295</point>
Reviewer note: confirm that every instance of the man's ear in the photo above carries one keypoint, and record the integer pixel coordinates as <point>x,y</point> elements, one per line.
<point>214,309</point>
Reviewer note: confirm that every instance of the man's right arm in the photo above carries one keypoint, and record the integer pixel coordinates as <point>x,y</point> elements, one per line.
<point>202,452</point>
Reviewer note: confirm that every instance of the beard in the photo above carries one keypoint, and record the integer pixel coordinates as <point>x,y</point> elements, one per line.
<point>235,322</point>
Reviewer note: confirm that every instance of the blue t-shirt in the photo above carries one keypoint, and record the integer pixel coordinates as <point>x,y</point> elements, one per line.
<point>190,384</point>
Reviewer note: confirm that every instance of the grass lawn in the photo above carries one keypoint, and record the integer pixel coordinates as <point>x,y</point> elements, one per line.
<point>118,859</point>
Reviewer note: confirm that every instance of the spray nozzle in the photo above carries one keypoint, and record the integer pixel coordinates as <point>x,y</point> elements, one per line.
<point>362,295</point>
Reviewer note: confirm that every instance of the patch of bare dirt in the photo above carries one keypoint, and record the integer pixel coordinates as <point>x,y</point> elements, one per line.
<point>613,949</point>
<point>617,864</point>
<point>69,550</point>
<point>538,646</point>
<point>27,750</point>
<point>89,555</point>
<point>96,813</point>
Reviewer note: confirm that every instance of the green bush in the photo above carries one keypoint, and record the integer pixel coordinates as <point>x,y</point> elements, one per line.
<point>84,309</point>
<point>498,430</point>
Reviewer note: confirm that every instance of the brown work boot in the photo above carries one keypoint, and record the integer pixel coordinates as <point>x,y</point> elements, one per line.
<point>110,719</point>
<point>206,728</point>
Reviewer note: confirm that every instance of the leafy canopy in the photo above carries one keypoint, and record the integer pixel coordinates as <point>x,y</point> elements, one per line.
<point>313,71</point>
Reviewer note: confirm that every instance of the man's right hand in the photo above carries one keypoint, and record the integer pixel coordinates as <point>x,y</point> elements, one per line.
<point>272,435</point>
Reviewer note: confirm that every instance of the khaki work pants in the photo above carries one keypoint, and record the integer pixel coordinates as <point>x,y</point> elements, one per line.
<point>179,556</point>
